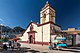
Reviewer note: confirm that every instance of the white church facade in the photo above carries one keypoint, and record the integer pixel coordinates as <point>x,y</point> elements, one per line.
<point>41,33</point>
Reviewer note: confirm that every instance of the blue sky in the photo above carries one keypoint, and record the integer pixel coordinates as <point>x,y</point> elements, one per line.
<point>21,12</point>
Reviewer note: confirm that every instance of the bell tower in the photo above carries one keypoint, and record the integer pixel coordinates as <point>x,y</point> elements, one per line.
<point>47,14</point>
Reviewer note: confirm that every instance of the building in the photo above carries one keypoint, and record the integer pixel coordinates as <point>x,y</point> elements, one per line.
<point>73,38</point>
<point>41,33</point>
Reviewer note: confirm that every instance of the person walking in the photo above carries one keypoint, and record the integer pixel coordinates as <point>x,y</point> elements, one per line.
<point>5,47</point>
<point>50,47</point>
<point>18,45</point>
<point>10,44</point>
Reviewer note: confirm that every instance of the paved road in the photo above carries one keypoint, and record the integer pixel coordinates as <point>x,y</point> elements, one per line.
<point>31,48</point>
<point>44,49</point>
<point>23,50</point>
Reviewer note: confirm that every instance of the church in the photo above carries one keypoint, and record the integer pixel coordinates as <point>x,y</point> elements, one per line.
<point>41,33</point>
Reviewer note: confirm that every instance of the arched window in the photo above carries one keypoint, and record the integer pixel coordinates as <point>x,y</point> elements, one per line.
<point>43,18</point>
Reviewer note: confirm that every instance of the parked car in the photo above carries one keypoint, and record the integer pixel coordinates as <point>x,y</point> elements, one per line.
<point>7,44</point>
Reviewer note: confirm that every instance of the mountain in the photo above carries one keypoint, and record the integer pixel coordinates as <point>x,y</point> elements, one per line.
<point>4,28</point>
<point>7,29</point>
<point>17,29</point>
<point>10,32</point>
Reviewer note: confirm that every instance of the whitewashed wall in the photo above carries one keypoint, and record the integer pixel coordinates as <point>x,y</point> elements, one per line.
<point>38,35</point>
<point>77,39</point>
<point>46,33</point>
<point>25,35</point>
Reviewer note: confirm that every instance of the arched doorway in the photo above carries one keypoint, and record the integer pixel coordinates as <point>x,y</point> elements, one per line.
<point>30,39</point>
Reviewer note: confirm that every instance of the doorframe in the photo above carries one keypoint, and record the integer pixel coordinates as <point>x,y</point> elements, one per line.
<point>33,37</point>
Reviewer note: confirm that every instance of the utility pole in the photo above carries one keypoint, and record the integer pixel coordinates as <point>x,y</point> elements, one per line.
<point>42,35</point>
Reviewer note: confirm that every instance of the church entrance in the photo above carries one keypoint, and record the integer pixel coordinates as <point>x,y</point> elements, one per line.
<point>30,39</point>
<point>31,35</point>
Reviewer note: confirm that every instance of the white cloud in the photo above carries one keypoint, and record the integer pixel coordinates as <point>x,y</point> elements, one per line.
<point>1,20</point>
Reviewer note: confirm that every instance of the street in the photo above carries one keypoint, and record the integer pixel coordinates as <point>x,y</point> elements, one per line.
<point>29,50</point>
<point>34,48</point>
<point>23,50</point>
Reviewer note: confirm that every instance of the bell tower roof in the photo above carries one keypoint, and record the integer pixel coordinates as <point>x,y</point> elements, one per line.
<point>46,5</point>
